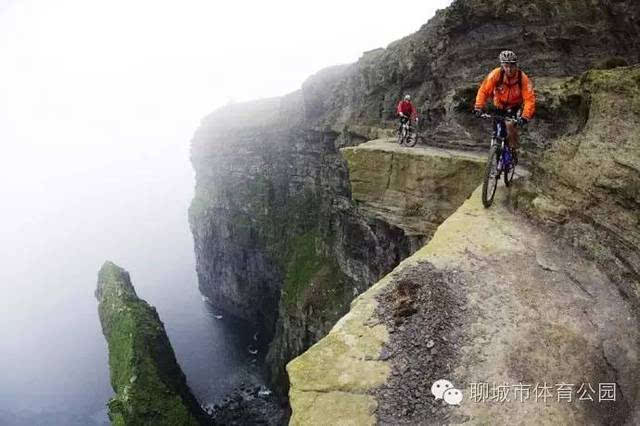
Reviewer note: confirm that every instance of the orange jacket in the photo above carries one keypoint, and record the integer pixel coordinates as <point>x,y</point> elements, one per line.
<point>507,93</point>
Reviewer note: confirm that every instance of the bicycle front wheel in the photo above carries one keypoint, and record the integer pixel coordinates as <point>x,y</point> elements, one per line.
<point>411,139</point>
<point>490,178</point>
<point>402,134</point>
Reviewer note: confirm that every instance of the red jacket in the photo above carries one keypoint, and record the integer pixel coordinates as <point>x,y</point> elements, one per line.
<point>407,108</point>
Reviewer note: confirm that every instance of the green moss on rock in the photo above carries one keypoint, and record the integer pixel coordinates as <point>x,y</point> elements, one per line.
<point>150,387</point>
<point>414,189</point>
<point>312,278</point>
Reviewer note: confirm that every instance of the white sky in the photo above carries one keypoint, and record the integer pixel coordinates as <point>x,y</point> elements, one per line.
<point>81,75</point>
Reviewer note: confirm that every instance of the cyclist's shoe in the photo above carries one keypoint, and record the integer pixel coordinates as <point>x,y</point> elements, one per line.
<point>477,112</point>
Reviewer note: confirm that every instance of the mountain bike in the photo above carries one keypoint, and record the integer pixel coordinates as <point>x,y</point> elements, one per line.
<point>406,134</point>
<point>500,161</point>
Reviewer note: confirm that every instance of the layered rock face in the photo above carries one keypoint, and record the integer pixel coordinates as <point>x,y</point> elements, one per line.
<point>586,186</point>
<point>150,387</point>
<point>279,239</point>
<point>496,300</point>
<point>413,189</point>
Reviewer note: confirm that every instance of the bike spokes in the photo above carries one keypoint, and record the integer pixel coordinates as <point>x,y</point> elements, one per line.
<point>411,139</point>
<point>491,176</point>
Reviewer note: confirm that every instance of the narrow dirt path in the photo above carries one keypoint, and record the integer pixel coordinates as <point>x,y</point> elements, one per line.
<point>537,317</point>
<point>526,329</point>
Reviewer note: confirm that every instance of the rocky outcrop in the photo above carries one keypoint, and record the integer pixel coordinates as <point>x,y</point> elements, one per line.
<point>414,189</point>
<point>150,387</point>
<point>586,187</point>
<point>279,239</point>
<point>495,302</point>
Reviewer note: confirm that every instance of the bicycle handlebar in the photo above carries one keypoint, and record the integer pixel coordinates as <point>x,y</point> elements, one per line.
<point>485,115</point>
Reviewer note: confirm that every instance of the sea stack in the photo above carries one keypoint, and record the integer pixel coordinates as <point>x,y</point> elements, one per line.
<point>150,387</point>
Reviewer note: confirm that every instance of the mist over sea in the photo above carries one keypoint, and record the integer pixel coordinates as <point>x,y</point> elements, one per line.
<point>57,228</point>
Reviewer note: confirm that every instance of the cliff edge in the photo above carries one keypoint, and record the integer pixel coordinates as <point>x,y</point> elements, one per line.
<point>150,387</point>
<point>488,302</point>
<point>529,308</point>
<point>280,238</point>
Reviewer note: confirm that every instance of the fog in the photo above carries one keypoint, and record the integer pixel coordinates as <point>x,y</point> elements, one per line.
<point>98,103</point>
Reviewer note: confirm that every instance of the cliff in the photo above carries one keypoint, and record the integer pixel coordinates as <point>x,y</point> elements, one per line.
<point>282,238</point>
<point>413,189</point>
<point>585,188</point>
<point>150,387</point>
<point>497,300</point>
<point>278,240</point>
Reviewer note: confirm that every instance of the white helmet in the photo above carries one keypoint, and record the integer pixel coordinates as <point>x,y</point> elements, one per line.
<point>407,97</point>
<point>507,56</point>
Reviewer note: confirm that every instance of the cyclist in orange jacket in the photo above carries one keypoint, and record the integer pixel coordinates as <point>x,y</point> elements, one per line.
<point>513,95</point>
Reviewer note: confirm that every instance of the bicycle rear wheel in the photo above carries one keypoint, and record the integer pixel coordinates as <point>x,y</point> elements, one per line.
<point>509,166</point>
<point>491,177</point>
<point>508,174</point>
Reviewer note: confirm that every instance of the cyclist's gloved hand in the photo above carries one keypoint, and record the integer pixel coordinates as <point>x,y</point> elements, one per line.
<point>477,112</point>
<point>522,121</point>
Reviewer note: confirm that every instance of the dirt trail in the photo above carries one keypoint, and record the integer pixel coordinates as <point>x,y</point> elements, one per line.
<point>534,313</point>
<point>527,329</point>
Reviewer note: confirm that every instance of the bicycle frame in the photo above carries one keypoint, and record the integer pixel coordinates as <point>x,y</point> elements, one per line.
<point>407,133</point>
<point>504,155</point>
<point>499,160</point>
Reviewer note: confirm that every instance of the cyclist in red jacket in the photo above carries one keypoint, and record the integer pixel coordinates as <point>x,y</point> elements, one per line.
<point>406,110</point>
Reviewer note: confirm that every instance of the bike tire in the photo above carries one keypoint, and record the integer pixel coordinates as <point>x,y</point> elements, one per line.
<point>508,175</point>
<point>411,139</point>
<point>402,133</point>
<point>490,183</point>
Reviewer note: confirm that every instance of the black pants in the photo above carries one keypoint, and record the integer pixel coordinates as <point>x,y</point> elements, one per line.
<point>402,121</point>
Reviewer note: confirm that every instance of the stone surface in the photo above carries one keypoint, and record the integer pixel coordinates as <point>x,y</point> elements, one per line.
<point>347,409</point>
<point>415,189</point>
<point>522,323</point>
<point>343,365</point>
<point>442,64</point>
<point>586,186</point>
<point>150,387</point>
